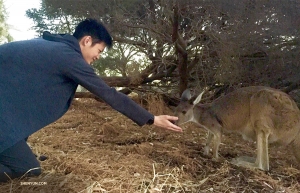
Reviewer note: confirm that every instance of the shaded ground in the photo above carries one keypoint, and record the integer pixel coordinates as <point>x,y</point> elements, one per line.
<point>93,148</point>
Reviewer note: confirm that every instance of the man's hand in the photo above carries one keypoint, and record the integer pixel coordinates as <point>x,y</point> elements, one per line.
<point>165,121</point>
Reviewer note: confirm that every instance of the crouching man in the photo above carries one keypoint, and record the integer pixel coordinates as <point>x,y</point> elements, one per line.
<point>38,81</point>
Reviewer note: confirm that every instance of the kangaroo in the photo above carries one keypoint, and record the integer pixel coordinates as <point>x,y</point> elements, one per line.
<point>257,113</point>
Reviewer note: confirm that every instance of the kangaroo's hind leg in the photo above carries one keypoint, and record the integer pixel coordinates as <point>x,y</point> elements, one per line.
<point>262,159</point>
<point>296,147</point>
<point>261,125</point>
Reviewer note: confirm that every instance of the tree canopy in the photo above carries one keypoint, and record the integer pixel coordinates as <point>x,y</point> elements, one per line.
<point>4,34</point>
<point>192,43</point>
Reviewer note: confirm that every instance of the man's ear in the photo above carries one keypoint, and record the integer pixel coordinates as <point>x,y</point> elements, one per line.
<point>86,41</point>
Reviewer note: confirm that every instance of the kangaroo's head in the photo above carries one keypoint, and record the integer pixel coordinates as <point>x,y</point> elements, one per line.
<point>185,109</point>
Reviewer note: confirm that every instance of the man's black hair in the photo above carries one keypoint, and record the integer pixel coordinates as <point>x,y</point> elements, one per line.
<point>95,29</point>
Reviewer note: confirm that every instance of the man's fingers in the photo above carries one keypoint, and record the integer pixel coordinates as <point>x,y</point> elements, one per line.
<point>175,128</point>
<point>167,122</point>
<point>173,118</point>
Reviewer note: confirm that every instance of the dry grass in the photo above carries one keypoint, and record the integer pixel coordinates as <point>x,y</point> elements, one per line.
<point>94,149</point>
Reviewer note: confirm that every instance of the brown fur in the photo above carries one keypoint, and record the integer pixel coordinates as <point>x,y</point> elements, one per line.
<point>258,113</point>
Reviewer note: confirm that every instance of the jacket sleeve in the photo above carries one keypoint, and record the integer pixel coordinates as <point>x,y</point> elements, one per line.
<point>82,73</point>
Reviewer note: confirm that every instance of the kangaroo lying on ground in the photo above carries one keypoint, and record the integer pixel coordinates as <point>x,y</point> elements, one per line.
<point>258,113</point>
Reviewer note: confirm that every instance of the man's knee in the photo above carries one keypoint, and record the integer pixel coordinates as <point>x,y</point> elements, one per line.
<point>19,161</point>
<point>31,168</point>
<point>7,174</point>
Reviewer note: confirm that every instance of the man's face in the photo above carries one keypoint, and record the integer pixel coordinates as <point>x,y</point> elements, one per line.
<point>91,53</point>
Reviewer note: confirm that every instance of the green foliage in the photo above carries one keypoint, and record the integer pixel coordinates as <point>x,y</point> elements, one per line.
<point>121,60</point>
<point>54,21</point>
<point>4,34</point>
<point>220,42</point>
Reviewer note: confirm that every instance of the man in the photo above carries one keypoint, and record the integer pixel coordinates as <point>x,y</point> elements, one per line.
<point>38,80</point>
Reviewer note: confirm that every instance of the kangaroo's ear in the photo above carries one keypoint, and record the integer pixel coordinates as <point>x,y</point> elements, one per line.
<point>198,99</point>
<point>186,95</point>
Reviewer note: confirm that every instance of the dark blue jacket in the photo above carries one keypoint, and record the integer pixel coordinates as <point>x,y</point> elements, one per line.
<point>38,80</point>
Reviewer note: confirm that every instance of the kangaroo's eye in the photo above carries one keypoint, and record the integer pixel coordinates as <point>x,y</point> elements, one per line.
<point>183,112</point>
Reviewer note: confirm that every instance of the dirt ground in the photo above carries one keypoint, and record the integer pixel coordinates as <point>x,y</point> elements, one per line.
<point>94,149</point>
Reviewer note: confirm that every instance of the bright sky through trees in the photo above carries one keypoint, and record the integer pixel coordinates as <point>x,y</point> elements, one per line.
<point>18,23</point>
